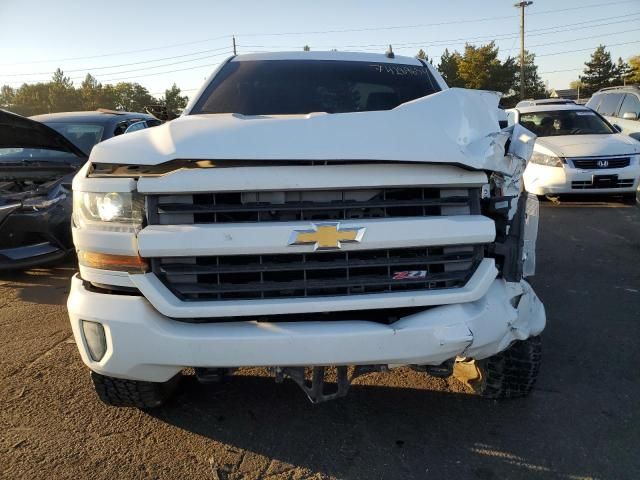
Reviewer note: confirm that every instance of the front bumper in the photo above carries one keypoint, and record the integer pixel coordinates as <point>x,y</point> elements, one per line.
<point>143,344</point>
<point>544,180</point>
<point>30,238</point>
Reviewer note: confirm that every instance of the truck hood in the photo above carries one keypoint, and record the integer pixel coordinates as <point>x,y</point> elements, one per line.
<point>454,126</point>
<point>590,145</point>
<point>19,132</point>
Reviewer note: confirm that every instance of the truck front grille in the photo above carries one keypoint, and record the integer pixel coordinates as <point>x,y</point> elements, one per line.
<point>286,206</point>
<point>244,277</point>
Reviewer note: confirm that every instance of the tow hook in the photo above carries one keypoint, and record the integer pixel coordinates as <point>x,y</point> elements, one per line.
<point>315,389</point>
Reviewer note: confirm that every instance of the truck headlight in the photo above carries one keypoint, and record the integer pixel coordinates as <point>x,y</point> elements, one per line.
<point>547,160</point>
<point>114,211</point>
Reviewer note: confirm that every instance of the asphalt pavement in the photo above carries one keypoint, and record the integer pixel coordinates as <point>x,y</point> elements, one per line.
<point>581,422</point>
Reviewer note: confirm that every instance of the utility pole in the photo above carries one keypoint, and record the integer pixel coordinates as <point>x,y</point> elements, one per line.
<point>234,44</point>
<point>521,6</point>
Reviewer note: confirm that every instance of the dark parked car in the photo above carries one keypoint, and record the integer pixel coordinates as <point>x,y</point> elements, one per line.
<point>38,160</point>
<point>85,129</point>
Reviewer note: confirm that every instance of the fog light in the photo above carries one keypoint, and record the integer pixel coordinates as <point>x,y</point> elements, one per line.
<point>95,338</point>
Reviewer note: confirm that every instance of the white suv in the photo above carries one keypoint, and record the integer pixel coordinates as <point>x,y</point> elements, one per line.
<point>309,210</point>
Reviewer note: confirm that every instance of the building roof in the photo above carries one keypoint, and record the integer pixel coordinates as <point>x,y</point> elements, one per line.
<point>570,93</point>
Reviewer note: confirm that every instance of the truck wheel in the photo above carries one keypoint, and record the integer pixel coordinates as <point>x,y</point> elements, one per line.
<point>508,374</point>
<point>118,392</point>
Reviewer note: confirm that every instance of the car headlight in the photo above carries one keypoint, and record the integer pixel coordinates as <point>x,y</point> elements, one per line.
<point>114,211</point>
<point>548,160</point>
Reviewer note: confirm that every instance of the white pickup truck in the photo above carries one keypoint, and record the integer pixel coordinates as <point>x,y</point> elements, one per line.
<point>322,214</point>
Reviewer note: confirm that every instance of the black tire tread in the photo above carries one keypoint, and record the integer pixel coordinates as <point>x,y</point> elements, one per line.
<point>118,392</point>
<point>513,372</point>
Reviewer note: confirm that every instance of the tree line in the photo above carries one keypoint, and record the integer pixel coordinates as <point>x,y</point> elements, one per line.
<point>476,67</point>
<point>480,67</point>
<point>601,72</point>
<point>60,95</point>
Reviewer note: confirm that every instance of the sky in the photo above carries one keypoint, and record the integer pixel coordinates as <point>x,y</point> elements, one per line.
<point>159,42</point>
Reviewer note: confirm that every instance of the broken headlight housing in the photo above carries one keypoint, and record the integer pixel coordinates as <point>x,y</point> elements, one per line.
<point>113,211</point>
<point>547,160</point>
<point>46,200</point>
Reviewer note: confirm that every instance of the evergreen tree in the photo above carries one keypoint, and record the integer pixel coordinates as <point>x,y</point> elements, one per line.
<point>599,72</point>
<point>533,85</point>
<point>422,55</point>
<point>623,72</point>
<point>173,101</point>
<point>62,94</point>
<point>448,68</point>
<point>91,93</point>
<point>306,48</point>
<point>480,68</point>
<point>634,65</point>
<point>7,97</point>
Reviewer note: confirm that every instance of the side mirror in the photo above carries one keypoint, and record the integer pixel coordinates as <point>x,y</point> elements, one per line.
<point>617,128</point>
<point>630,116</point>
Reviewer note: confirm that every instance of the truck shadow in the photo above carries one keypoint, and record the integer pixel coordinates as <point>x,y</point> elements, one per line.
<point>378,431</point>
<point>45,285</point>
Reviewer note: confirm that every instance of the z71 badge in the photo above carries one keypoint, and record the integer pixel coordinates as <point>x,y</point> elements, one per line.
<point>409,275</point>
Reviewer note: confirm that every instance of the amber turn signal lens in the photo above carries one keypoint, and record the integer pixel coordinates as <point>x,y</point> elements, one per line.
<point>122,263</point>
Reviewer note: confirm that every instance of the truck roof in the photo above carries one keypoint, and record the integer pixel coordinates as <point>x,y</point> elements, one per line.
<point>328,55</point>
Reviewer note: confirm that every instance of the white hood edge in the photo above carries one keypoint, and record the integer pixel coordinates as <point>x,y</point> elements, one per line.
<point>454,126</point>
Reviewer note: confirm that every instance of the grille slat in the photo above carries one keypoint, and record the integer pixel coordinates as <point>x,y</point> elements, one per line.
<point>206,288</point>
<point>257,207</point>
<point>191,269</point>
<point>318,274</point>
<point>310,205</point>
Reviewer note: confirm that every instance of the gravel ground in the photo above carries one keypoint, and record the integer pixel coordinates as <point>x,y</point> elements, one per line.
<point>580,422</point>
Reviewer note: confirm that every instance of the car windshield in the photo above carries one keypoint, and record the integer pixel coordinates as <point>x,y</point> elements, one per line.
<point>82,135</point>
<point>289,87</point>
<point>564,122</point>
<point>8,155</point>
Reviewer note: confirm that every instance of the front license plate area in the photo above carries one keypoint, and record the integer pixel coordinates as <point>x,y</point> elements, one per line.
<point>604,181</point>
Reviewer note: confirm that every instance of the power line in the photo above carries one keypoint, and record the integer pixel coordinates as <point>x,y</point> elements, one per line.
<point>122,64</point>
<point>117,53</point>
<point>250,34</point>
<point>586,49</point>
<point>426,44</point>
<point>503,36</point>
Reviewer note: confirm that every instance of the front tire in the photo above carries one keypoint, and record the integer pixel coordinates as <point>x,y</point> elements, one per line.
<point>118,392</point>
<point>511,373</point>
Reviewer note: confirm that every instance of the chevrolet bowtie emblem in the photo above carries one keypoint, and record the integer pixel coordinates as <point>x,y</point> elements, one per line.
<point>327,236</point>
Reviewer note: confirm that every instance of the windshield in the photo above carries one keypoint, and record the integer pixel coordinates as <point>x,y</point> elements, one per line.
<point>289,87</point>
<point>565,122</point>
<point>82,135</point>
<point>8,155</point>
